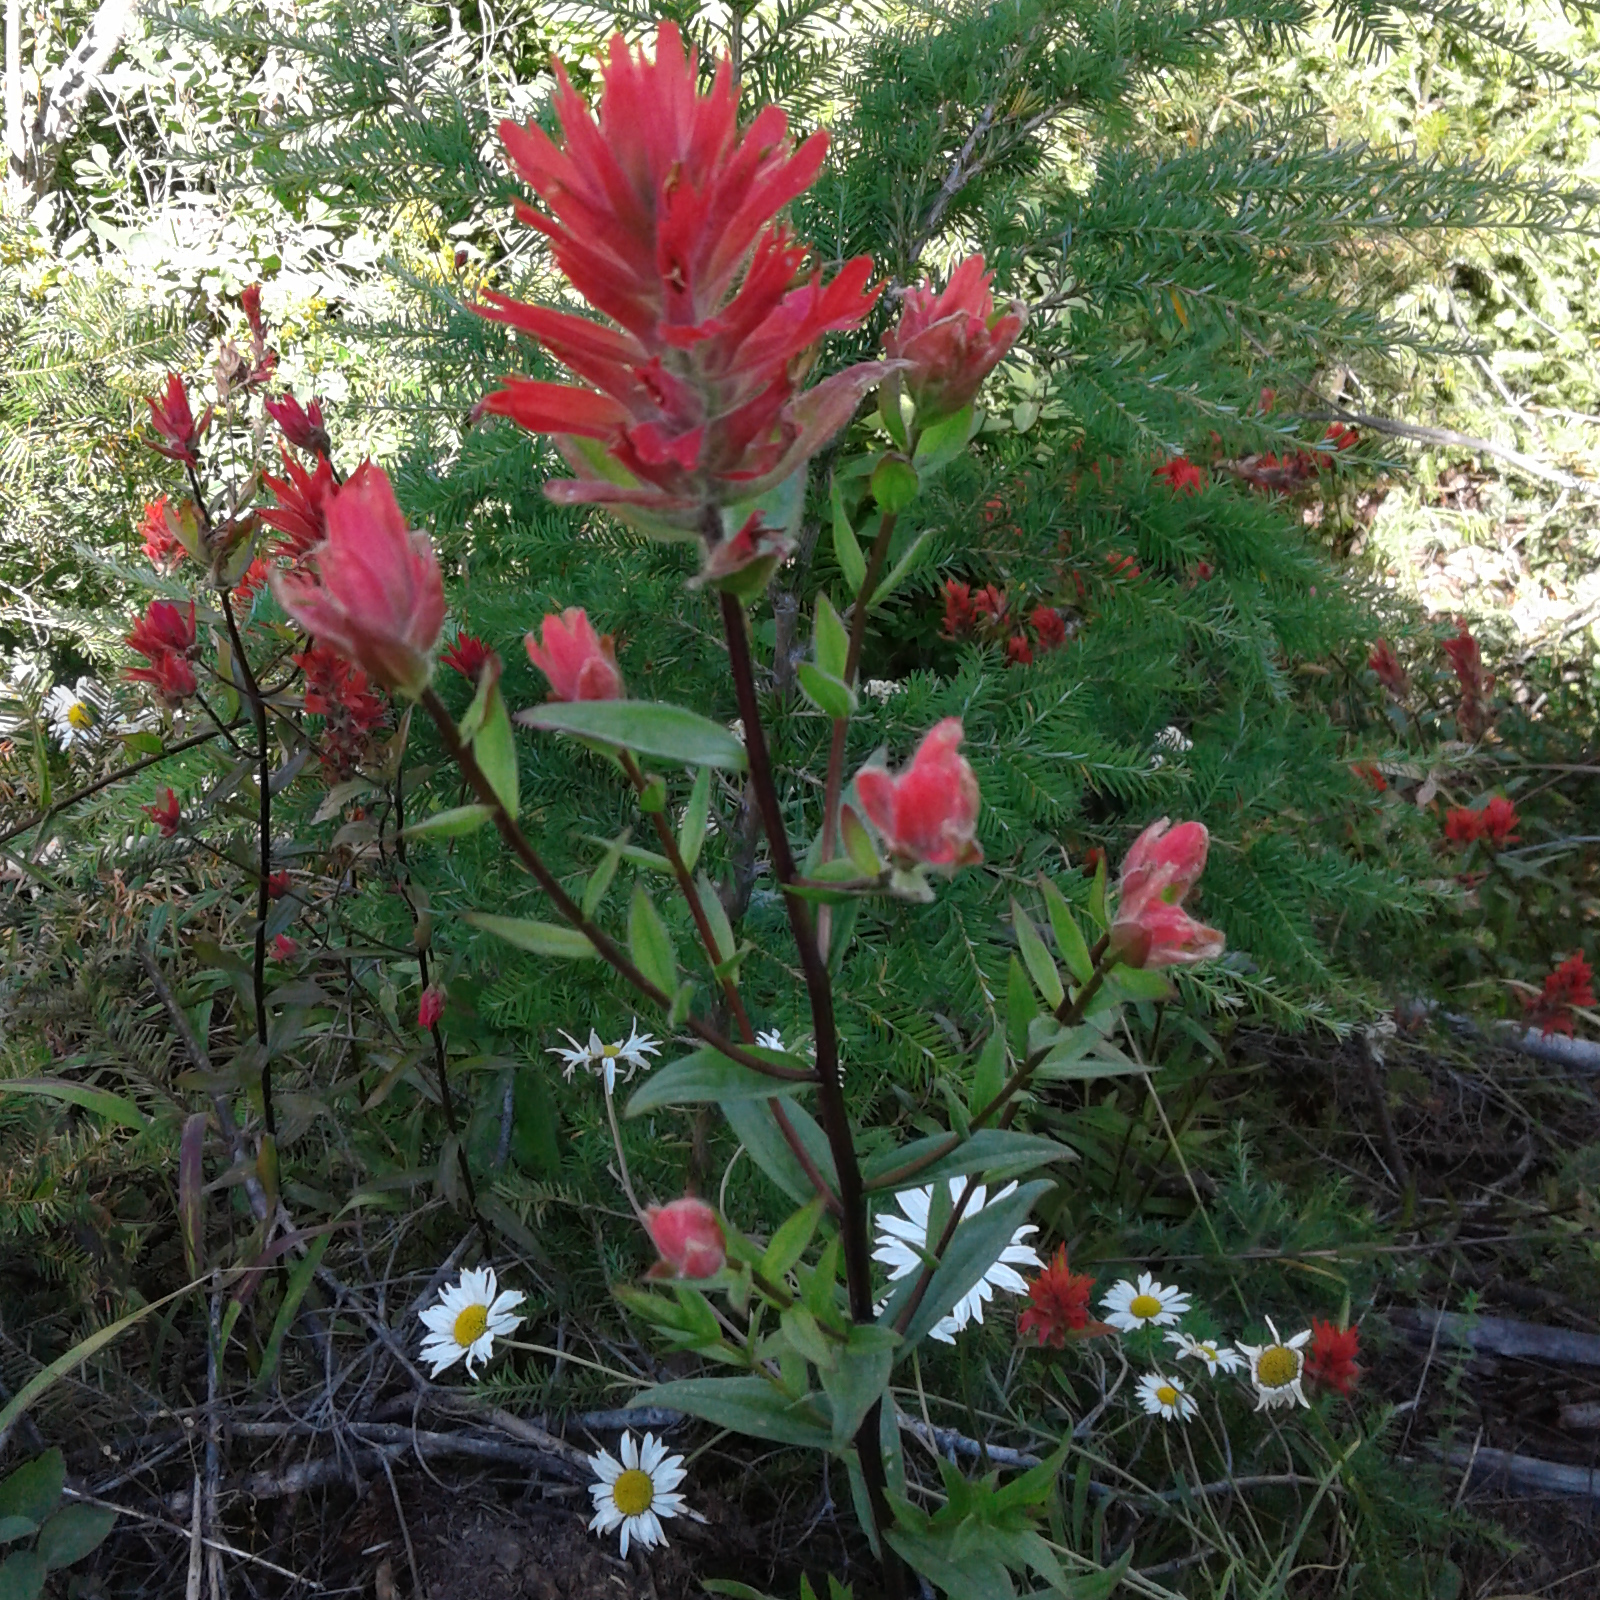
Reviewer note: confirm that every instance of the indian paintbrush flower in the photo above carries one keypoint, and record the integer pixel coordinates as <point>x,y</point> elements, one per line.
<point>169,674</point>
<point>1386,666</point>
<point>580,664</point>
<point>173,419</point>
<point>1571,984</point>
<point>1331,1360</point>
<point>164,627</point>
<point>301,514</point>
<point>466,655</point>
<point>1181,475</point>
<point>165,813</point>
<point>430,1007</point>
<point>1151,928</point>
<point>1058,1303</point>
<point>929,813</point>
<point>302,425</point>
<point>377,597</point>
<point>688,1236</point>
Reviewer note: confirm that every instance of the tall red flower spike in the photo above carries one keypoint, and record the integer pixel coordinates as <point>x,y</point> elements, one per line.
<point>662,215</point>
<point>1151,928</point>
<point>951,339</point>
<point>1386,664</point>
<point>1331,1360</point>
<point>1571,984</point>
<point>1058,1303</point>
<point>174,421</point>
<point>929,813</point>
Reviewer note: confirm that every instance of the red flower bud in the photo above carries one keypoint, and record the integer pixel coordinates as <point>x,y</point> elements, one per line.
<point>164,627</point>
<point>689,1238</point>
<point>952,339</point>
<point>431,1007</point>
<point>380,598</point>
<point>930,812</point>
<point>174,421</point>
<point>580,664</point>
<point>1386,664</point>
<point>165,813</point>
<point>302,425</point>
<point>283,947</point>
<point>466,655</point>
<point>169,674</point>
<point>1151,928</point>
<point>277,885</point>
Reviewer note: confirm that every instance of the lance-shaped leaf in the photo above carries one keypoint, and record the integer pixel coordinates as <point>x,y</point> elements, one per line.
<point>707,1075</point>
<point>541,938</point>
<point>646,727</point>
<point>750,1406</point>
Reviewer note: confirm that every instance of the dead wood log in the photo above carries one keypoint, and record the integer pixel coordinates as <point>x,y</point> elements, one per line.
<point>1504,1336</point>
<point>1528,1474</point>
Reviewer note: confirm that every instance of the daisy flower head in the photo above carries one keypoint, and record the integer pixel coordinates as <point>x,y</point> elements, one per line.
<point>1276,1369</point>
<point>601,1059</point>
<point>1212,1356</point>
<point>771,1039</point>
<point>1166,1397</point>
<point>1145,1304</point>
<point>466,1320</point>
<point>635,1493</point>
<point>75,714</point>
<point>902,1240</point>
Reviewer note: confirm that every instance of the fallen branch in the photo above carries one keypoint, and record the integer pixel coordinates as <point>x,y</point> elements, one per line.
<point>1527,1473</point>
<point>1504,1336</point>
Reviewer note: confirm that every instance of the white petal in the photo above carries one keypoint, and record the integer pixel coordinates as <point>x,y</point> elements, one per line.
<point>606,1466</point>
<point>630,1452</point>
<point>605,1519</point>
<point>1002,1277</point>
<point>627,1523</point>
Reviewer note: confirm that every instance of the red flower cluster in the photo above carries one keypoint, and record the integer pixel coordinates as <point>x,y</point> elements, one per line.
<point>466,656</point>
<point>580,664</point>
<point>302,425</point>
<point>278,885</point>
<point>173,419</point>
<point>1182,475</point>
<point>162,546</point>
<point>1151,928</point>
<point>1331,1360</point>
<point>929,813</point>
<point>1370,775</point>
<point>988,612</point>
<point>352,712</point>
<point>301,514</point>
<point>661,214</point>
<point>1571,984</point>
<point>1492,822</point>
<point>1058,1303</point>
<point>165,636</point>
<point>1466,659</point>
<point>165,813</point>
<point>1386,664</point>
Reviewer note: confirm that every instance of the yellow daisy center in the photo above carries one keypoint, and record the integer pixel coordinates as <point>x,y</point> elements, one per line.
<point>80,716</point>
<point>1276,1367</point>
<point>470,1325</point>
<point>1145,1306</point>
<point>1167,1395</point>
<point>610,1052</point>
<point>633,1492</point>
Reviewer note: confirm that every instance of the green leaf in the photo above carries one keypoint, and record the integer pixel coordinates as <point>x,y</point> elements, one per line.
<point>975,1247</point>
<point>709,1075</point>
<point>294,1292</point>
<point>967,1571</point>
<point>857,1377</point>
<point>716,918</point>
<point>989,1075</point>
<point>831,640</point>
<point>650,944</point>
<point>1021,1008</point>
<point>894,483</point>
<point>832,696</point>
<point>751,1406</point>
<point>789,1243</point>
<point>944,440</point>
<point>450,824</point>
<point>901,570</point>
<point>1097,895</point>
<point>541,938</point>
<point>34,1489</point>
<point>757,1130</point>
<point>495,751</point>
<point>846,548</point>
<point>22,1576</point>
<point>1040,966</point>
<point>13,1528</point>
<point>114,1108</point>
<point>72,1533</point>
<point>594,891</point>
<point>1069,940</point>
<point>1140,983</point>
<point>692,834</point>
<point>667,732</point>
<point>998,1153</point>
<point>858,844</point>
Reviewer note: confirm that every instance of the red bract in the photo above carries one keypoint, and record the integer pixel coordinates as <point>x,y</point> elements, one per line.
<point>250,304</point>
<point>1340,436</point>
<point>162,546</point>
<point>169,674</point>
<point>662,216</point>
<point>1386,664</point>
<point>378,597</point>
<point>251,581</point>
<point>277,885</point>
<point>466,655</point>
<point>1018,651</point>
<point>960,612</point>
<point>283,947</point>
<point>1370,775</point>
<point>1462,826</point>
<point>301,514</point>
<point>951,340</point>
<point>930,812</point>
<point>689,1237</point>
<point>1201,572</point>
<point>302,425</point>
<point>1499,818</point>
<point>1331,1360</point>
<point>338,692</point>
<point>1571,984</point>
<point>1122,567</point>
<point>1472,716</point>
<point>1048,627</point>
<point>164,627</point>
<point>1058,1303</point>
<point>430,1008</point>
<point>1182,475</point>
<point>165,813</point>
<point>580,664</point>
<point>1151,928</point>
<point>174,421</point>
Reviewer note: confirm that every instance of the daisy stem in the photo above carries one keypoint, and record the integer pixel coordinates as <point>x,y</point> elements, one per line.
<point>622,1160</point>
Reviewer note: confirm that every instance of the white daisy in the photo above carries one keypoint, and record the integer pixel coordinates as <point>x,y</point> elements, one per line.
<point>1276,1369</point>
<point>635,1493</point>
<point>602,1059</point>
<point>901,1241</point>
<point>1213,1356</point>
<point>1146,1304</point>
<point>1166,1397</point>
<point>75,714</point>
<point>466,1320</point>
<point>771,1039</point>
